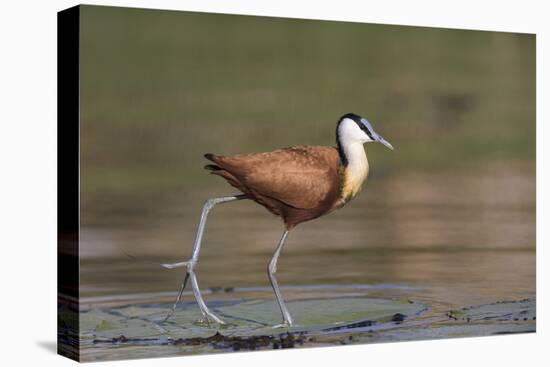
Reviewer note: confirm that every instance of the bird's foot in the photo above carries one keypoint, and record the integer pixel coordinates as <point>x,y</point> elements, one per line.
<point>207,315</point>
<point>211,318</point>
<point>285,324</point>
<point>187,264</point>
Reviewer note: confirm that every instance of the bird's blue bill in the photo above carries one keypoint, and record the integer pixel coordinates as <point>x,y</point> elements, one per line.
<point>374,135</point>
<point>381,140</point>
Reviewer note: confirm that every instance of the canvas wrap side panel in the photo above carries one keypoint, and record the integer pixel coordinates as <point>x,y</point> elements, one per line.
<point>68,25</point>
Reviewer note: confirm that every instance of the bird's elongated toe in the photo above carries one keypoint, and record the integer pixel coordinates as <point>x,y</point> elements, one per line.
<point>283,325</point>
<point>210,319</point>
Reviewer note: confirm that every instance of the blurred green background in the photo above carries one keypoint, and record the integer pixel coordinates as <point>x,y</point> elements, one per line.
<point>452,207</point>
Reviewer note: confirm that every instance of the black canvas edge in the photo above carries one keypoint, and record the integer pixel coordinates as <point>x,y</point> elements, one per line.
<point>68,191</point>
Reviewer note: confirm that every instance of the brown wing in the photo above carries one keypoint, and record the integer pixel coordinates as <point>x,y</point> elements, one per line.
<point>302,176</point>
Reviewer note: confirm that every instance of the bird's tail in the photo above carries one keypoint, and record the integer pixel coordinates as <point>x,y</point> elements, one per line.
<point>210,156</point>
<point>219,169</point>
<point>211,167</point>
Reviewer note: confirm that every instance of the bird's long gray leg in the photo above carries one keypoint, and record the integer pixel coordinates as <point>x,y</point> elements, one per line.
<point>192,263</point>
<point>271,270</point>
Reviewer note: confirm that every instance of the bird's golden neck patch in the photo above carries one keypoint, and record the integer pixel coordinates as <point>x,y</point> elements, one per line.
<point>354,173</point>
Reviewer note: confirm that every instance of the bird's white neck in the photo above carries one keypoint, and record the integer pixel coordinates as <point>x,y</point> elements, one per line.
<point>355,168</point>
<point>356,157</point>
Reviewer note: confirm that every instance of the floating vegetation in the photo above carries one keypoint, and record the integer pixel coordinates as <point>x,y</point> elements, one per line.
<point>126,330</point>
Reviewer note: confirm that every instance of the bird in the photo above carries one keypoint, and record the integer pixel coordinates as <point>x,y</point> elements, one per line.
<point>297,184</point>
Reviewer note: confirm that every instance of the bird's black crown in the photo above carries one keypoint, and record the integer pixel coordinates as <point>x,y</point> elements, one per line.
<point>352,116</point>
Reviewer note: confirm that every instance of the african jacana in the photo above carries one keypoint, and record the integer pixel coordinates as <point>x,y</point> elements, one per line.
<point>298,184</point>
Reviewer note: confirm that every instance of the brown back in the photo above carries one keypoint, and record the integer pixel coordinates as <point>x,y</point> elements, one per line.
<point>303,177</point>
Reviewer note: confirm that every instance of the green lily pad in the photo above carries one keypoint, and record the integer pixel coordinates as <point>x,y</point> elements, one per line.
<point>243,319</point>
<point>313,315</point>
